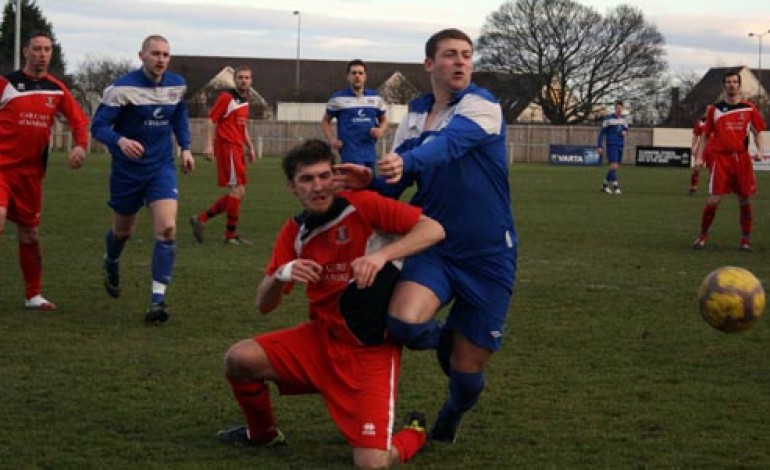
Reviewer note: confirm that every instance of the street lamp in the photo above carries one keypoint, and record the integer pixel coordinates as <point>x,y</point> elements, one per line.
<point>759,73</point>
<point>299,22</point>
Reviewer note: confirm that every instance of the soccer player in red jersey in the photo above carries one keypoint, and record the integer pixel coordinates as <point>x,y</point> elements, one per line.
<point>728,123</point>
<point>30,99</point>
<point>339,352</point>
<point>230,116</point>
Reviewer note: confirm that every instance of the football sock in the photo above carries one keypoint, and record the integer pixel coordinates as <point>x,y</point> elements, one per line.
<point>31,263</point>
<point>612,176</point>
<point>233,212</point>
<point>694,177</point>
<point>709,212</point>
<point>114,245</point>
<point>414,335</point>
<point>464,391</point>
<point>163,255</point>
<point>254,400</point>
<point>408,442</point>
<point>217,208</point>
<point>747,220</point>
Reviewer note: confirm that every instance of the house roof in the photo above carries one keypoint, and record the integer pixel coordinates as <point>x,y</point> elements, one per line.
<point>275,79</point>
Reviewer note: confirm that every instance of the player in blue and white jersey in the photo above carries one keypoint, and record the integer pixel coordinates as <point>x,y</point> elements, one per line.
<point>138,114</point>
<point>614,130</point>
<point>452,144</point>
<point>360,115</point>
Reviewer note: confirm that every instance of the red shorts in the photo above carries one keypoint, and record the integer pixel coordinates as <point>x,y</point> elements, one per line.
<point>22,196</point>
<point>231,163</point>
<point>732,173</point>
<point>358,383</point>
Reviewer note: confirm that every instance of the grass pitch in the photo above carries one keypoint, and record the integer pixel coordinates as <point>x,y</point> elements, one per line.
<point>606,362</point>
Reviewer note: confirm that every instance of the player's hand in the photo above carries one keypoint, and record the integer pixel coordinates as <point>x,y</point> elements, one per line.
<point>351,176</point>
<point>365,269</point>
<point>376,132</point>
<point>757,157</point>
<point>335,144</point>
<point>76,157</point>
<point>391,166</point>
<point>600,150</point>
<point>251,155</point>
<point>305,271</point>
<point>208,152</point>
<point>188,162</point>
<point>131,148</point>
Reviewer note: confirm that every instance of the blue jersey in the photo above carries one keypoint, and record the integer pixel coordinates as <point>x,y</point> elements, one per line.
<point>461,170</point>
<point>356,117</point>
<point>612,130</point>
<point>137,108</point>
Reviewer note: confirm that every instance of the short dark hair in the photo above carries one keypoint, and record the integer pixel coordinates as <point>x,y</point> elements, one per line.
<point>451,33</point>
<point>731,73</point>
<point>36,34</point>
<point>241,68</point>
<point>618,102</point>
<point>355,62</point>
<point>309,152</point>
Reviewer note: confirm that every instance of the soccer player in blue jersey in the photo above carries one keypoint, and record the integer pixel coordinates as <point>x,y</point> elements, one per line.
<point>452,145</point>
<point>136,118</point>
<point>360,115</point>
<point>614,130</point>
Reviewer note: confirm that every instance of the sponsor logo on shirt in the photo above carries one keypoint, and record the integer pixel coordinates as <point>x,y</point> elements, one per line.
<point>368,430</point>
<point>159,118</point>
<point>342,237</point>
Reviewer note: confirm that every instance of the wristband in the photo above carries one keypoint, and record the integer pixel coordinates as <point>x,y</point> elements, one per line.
<point>284,272</point>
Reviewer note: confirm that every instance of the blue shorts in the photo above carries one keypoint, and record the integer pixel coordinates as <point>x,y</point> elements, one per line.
<point>481,288</point>
<point>614,154</point>
<point>129,192</point>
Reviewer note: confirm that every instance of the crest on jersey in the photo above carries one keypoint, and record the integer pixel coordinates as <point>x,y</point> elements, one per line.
<point>49,102</point>
<point>342,236</point>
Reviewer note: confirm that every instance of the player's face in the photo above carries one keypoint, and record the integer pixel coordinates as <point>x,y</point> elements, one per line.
<point>452,65</point>
<point>37,56</point>
<point>155,58</point>
<point>314,187</point>
<point>243,81</point>
<point>732,85</point>
<point>357,77</point>
<point>618,109</point>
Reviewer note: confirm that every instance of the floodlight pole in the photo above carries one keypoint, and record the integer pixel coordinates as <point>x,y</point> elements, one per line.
<point>17,38</point>
<point>299,23</point>
<point>759,73</point>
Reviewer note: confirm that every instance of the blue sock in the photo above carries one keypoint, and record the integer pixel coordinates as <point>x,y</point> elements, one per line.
<point>163,255</point>
<point>114,247</point>
<point>414,335</point>
<point>612,175</point>
<point>464,391</point>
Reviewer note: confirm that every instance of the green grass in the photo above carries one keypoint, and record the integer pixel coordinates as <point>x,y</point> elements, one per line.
<point>606,361</point>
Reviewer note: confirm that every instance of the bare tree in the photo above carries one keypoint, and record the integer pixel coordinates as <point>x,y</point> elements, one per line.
<point>578,59</point>
<point>95,73</point>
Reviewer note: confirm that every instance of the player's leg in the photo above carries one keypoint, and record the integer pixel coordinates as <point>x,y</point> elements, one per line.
<point>407,442</point>
<point>419,293</point>
<point>198,222</point>
<point>746,188</point>
<point>694,178</point>
<point>126,198</point>
<point>237,184</point>
<point>483,291</point>
<point>614,157</point>
<point>718,186</point>
<point>163,212</point>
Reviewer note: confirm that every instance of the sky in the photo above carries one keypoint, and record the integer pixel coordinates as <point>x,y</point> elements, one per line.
<point>699,34</point>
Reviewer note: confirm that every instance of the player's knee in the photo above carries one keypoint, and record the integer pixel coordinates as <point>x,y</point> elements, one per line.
<point>242,361</point>
<point>27,235</point>
<point>166,232</point>
<point>371,458</point>
<point>413,335</point>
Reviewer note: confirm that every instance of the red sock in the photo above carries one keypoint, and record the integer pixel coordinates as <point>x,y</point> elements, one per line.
<point>31,262</point>
<point>694,178</point>
<point>233,212</point>
<point>709,212</point>
<point>254,398</point>
<point>746,220</point>
<point>215,209</point>
<point>408,442</point>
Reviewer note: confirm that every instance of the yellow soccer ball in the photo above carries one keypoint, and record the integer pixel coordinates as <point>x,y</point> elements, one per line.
<point>731,299</point>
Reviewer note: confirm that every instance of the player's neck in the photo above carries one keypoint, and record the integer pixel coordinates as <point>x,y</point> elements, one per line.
<point>733,99</point>
<point>31,72</point>
<point>358,91</point>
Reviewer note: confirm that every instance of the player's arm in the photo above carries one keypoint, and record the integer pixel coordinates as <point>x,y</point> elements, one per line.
<point>102,125</point>
<point>426,232</point>
<point>208,148</point>
<point>381,127</point>
<point>271,289</point>
<point>252,155</point>
<point>760,146</point>
<point>78,123</point>
<point>180,123</point>
<point>326,128</point>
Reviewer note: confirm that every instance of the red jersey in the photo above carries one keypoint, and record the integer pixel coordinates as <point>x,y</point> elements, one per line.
<point>28,106</point>
<point>727,126</point>
<point>334,240</point>
<point>231,114</point>
<point>697,128</point>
